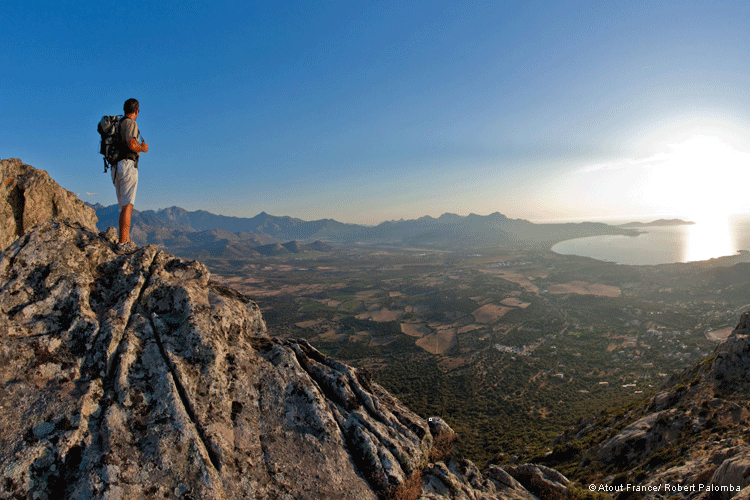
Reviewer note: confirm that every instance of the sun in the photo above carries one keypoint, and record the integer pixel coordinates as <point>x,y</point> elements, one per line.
<point>701,177</point>
<point>685,171</point>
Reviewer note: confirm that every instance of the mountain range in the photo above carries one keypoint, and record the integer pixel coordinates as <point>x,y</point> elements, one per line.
<point>178,229</point>
<point>658,223</point>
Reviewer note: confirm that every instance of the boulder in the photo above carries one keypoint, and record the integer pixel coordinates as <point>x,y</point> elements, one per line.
<point>632,442</point>
<point>29,196</point>
<point>540,480</point>
<point>731,476</point>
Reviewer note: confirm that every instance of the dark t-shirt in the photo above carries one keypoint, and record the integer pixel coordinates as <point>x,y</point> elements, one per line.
<point>128,130</point>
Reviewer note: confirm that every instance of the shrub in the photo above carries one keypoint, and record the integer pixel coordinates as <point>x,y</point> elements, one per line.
<point>442,446</point>
<point>411,489</point>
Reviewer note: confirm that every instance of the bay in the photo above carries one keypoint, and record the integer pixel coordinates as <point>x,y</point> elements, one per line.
<point>665,244</point>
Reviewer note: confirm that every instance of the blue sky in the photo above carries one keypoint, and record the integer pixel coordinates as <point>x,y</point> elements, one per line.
<point>371,111</point>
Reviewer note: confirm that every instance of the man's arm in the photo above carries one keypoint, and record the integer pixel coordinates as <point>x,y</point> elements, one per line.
<point>137,148</point>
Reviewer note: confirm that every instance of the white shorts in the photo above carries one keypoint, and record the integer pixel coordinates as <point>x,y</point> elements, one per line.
<point>125,179</point>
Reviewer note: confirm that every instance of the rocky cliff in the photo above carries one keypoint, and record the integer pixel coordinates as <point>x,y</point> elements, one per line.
<point>689,440</point>
<point>136,376</point>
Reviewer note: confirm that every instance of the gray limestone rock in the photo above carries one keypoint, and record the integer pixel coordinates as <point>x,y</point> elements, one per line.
<point>632,441</point>
<point>540,480</point>
<point>731,476</point>
<point>461,480</point>
<point>135,375</point>
<point>29,196</point>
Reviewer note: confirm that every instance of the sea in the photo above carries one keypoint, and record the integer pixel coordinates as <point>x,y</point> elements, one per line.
<point>703,240</point>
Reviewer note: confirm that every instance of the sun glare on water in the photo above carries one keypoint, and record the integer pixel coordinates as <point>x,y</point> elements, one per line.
<point>701,176</point>
<point>708,240</point>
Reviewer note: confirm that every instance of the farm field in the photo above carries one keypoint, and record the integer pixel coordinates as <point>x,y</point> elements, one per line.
<point>509,348</point>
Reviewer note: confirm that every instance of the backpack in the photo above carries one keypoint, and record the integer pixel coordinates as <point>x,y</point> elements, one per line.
<point>109,129</point>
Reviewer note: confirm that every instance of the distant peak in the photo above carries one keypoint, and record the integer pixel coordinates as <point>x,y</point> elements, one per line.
<point>448,215</point>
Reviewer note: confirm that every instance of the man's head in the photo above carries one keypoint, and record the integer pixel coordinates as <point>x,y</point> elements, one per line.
<point>131,106</point>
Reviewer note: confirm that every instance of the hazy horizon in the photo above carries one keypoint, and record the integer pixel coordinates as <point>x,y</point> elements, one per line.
<point>365,112</point>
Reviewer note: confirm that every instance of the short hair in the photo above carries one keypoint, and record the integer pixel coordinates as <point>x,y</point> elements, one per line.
<point>131,106</point>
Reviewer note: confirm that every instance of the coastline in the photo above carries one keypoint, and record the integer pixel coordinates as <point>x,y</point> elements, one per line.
<point>658,245</point>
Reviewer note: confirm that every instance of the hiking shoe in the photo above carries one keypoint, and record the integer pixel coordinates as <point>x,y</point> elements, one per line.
<point>127,247</point>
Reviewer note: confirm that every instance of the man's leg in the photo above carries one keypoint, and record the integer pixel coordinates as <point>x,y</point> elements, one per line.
<point>126,184</point>
<point>126,213</point>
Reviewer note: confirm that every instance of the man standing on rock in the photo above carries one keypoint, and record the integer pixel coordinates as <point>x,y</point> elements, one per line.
<point>125,176</point>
